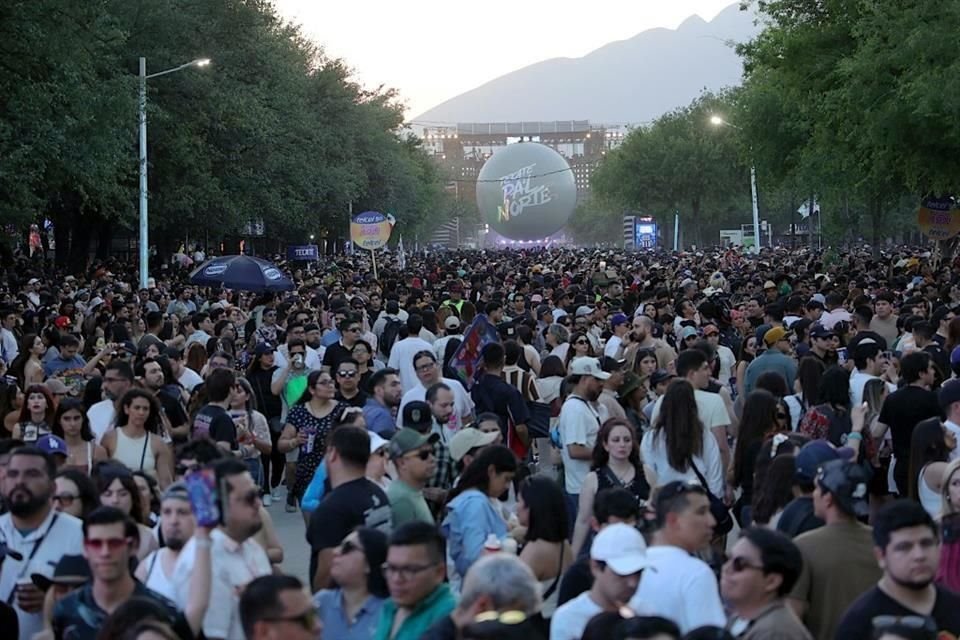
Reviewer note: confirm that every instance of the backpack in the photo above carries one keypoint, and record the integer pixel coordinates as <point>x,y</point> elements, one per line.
<point>390,332</point>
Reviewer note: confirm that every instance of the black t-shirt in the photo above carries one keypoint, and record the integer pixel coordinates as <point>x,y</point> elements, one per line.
<point>857,621</point>
<point>334,355</point>
<point>214,422</point>
<point>79,617</point>
<point>491,393</point>
<point>798,517</point>
<point>172,407</point>
<point>356,503</point>
<point>356,401</point>
<point>901,411</point>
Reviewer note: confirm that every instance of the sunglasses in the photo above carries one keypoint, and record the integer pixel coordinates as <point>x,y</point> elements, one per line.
<point>404,572</point>
<point>112,544</point>
<point>347,374</point>
<point>426,454</point>
<point>64,499</point>
<point>740,564</point>
<point>912,622</point>
<point>307,619</point>
<point>582,342</point>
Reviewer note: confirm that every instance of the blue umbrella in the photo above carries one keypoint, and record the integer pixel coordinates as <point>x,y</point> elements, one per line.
<point>242,273</point>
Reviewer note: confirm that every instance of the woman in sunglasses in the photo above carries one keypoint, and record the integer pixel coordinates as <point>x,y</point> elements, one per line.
<point>75,493</point>
<point>579,347</point>
<point>352,610</point>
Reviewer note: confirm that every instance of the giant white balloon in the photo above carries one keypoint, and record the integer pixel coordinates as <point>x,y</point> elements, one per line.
<point>526,191</point>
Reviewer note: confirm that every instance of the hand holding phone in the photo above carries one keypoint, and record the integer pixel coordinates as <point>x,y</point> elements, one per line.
<point>204,497</point>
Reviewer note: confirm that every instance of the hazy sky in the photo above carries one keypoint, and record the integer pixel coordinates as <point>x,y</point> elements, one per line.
<point>432,50</point>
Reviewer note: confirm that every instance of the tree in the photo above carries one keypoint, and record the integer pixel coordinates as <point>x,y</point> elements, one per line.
<point>680,163</point>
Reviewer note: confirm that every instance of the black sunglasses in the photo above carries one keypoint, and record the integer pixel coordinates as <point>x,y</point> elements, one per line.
<point>346,374</point>
<point>426,454</point>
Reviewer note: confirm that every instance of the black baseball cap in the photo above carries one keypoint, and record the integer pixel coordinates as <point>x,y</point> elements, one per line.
<point>417,415</point>
<point>848,483</point>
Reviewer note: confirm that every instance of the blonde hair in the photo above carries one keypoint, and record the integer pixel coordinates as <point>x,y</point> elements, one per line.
<point>948,508</point>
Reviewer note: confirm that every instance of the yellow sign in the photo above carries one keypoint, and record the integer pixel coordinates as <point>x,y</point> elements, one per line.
<point>939,218</point>
<point>370,230</point>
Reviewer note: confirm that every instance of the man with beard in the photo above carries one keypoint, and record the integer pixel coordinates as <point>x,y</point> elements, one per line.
<point>109,544</point>
<point>235,556</point>
<point>117,380</point>
<point>907,548</point>
<point>177,525</point>
<point>386,395</point>
<point>579,423</point>
<point>152,372</point>
<point>429,373</point>
<point>35,532</point>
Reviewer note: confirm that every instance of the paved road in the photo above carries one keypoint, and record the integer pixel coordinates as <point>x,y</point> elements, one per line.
<point>292,532</point>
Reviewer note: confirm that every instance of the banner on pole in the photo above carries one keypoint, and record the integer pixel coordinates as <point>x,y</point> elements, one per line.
<point>466,361</point>
<point>939,218</point>
<point>370,230</point>
<point>303,252</point>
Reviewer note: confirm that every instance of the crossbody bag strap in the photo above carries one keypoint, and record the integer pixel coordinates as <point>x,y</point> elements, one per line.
<point>556,581</point>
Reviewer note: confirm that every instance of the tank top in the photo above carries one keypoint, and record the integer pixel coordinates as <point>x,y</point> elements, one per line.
<point>638,486</point>
<point>135,453</point>
<point>156,579</point>
<point>930,499</point>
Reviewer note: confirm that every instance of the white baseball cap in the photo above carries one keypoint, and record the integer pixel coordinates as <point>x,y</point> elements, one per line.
<point>622,548</point>
<point>377,442</point>
<point>585,366</point>
<point>469,438</point>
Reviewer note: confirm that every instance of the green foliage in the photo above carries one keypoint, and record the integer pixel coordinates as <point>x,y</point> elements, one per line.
<point>272,129</point>
<point>681,163</point>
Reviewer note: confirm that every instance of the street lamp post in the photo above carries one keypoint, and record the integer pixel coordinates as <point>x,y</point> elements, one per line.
<point>142,107</point>
<point>718,121</point>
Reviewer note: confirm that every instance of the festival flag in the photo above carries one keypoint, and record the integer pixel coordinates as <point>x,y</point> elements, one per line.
<point>401,254</point>
<point>466,361</point>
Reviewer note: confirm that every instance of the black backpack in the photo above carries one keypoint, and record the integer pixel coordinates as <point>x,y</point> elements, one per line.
<point>390,332</point>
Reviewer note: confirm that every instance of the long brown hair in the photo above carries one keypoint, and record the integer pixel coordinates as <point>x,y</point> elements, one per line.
<point>25,408</point>
<point>600,454</point>
<point>680,425</point>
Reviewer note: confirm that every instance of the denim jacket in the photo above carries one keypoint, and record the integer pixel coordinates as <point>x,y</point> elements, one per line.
<point>470,519</point>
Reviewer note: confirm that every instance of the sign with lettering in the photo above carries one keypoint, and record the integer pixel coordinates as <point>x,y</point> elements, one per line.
<point>370,230</point>
<point>939,218</point>
<point>309,252</point>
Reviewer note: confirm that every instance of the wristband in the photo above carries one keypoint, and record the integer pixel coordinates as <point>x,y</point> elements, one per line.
<point>856,435</point>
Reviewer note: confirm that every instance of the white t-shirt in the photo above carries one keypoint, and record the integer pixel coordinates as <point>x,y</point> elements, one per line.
<point>613,345</point>
<point>679,587</point>
<point>858,380</point>
<point>56,538</point>
<point>653,452</point>
<point>727,362</point>
<point>313,360</point>
<point>569,620</point>
<point>462,405</point>
<point>233,566</point>
<point>101,416</point>
<point>579,424</point>
<point>401,359</point>
<point>189,378</point>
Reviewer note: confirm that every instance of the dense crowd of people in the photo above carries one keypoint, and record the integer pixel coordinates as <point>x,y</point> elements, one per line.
<point>550,443</point>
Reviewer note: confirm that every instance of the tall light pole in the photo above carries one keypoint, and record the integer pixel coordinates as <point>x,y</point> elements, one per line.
<point>144,235</point>
<point>717,121</point>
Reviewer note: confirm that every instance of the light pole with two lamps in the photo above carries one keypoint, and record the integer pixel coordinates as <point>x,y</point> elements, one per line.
<point>144,236</point>
<point>717,121</point>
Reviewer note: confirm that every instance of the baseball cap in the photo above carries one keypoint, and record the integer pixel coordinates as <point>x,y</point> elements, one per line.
<point>452,322</point>
<point>536,298</point>
<point>262,348</point>
<point>377,442</point>
<point>660,375</point>
<point>583,311</point>
<point>417,415</point>
<point>56,386</point>
<point>62,322</point>
<point>610,365</point>
<point>847,483</point>
<point>469,438</point>
<point>688,332</point>
<point>949,393</point>
<point>769,285</point>
<point>618,319</point>
<point>621,547</point>
<point>687,282</point>
<point>33,281</point>
<point>52,444</point>
<point>814,454</point>
<point>129,347</point>
<point>775,335</point>
<point>820,331</point>
<point>710,330</point>
<point>406,440</point>
<point>586,366</point>
<point>70,570</point>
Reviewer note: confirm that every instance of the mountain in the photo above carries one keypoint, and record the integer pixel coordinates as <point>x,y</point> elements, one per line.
<point>630,81</point>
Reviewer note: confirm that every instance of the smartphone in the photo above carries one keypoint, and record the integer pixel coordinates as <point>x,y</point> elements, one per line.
<point>842,355</point>
<point>204,497</point>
